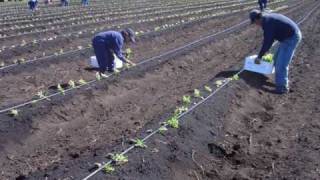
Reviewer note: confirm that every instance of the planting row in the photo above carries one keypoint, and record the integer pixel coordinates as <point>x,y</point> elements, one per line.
<point>74,67</point>
<point>90,124</point>
<point>102,15</point>
<point>93,21</point>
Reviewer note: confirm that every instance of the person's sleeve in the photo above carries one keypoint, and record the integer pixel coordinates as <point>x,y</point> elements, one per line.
<point>268,39</point>
<point>117,50</point>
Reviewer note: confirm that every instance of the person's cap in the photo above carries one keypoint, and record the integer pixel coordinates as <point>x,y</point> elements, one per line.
<point>131,34</point>
<point>253,15</point>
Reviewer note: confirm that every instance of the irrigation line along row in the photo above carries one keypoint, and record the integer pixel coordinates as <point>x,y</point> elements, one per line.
<point>101,12</point>
<point>171,52</point>
<point>63,28</point>
<point>187,112</point>
<point>144,34</point>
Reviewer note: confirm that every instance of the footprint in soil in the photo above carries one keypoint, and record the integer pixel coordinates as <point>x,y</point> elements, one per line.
<point>216,150</point>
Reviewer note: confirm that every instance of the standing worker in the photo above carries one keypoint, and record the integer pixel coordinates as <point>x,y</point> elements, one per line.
<point>84,2</point>
<point>109,42</point>
<point>281,28</point>
<point>262,4</point>
<point>33,5</point>
<point>64,2</point>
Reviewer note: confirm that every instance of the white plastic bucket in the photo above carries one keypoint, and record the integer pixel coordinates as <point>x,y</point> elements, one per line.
<point>262,68</point>
<point>94,63</point>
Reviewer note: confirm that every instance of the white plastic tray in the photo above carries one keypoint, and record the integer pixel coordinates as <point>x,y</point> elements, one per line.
<point>262,68</point>
<point>94,63</point>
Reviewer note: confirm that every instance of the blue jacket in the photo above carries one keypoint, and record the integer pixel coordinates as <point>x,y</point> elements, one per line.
<point>276,27</point>
<point>114,41</point>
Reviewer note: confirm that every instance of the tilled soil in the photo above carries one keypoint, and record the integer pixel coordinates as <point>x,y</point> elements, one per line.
<point>64,137</point>
<point>244,132</point>
<point>43,74</point>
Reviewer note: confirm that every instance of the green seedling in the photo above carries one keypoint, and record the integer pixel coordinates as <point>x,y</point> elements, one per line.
<point>2,64</point>
<point>186,100</point>
<point>60,89</point>
<point>14,113</point>
<point>61,51</point>
<point>157,28</point>
<point>208,89</point>
<point>15,61</point>
<point>197,93</point>
<point>42,95</point>
<point>128,53</point>
<point>56,54</point>
<point>119,158</point>
<point>139,143</point>
<point>22,60</point>
<point>98,76</point>
<point>173,122</point>
<point>268,58</point>
<point>235,77</point>
<point>82,82</point>
<point>80,47</point>
<point>180,110</point>
<point>72,84</point>
<point>219,83</point>
<point>162,129</point>
<point>108,169</point>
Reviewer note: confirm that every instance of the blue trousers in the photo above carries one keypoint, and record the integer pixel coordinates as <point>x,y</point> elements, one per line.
<point>283,58</point>
<point>262,4</point>
<point>104,55</point>
<point>85,2</point>
<point>32,5</point>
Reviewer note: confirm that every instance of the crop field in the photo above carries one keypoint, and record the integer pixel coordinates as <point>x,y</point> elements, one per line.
<point>186,110</point>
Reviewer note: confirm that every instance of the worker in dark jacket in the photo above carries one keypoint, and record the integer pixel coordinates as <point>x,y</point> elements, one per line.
<point>262,4</point>
<point>107,43</point>
<point>277,27</point>
<point>33,4</point>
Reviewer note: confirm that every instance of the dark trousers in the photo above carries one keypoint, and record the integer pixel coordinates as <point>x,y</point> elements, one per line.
<point>262,4</point>
<point>32,5</point>
<point>104,56</point>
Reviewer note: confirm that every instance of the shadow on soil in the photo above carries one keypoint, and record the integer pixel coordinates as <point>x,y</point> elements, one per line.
<point>255,80</point>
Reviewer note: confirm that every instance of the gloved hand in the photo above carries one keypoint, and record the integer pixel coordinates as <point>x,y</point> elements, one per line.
<point>257,60</point>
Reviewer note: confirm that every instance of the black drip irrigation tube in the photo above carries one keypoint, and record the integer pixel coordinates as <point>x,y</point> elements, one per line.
<point>189,110</point>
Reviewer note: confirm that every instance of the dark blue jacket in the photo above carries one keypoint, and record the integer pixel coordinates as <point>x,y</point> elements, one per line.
<point>114,41</point>
<point>276,27</point>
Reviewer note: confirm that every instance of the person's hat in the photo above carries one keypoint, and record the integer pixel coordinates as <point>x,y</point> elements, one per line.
<point>130,33</point>
<point>254,14</point>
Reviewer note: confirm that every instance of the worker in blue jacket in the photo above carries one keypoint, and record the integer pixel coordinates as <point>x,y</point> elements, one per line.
<point>105,44</point>
<point>33,4</point>
<point>262,4</point>
<point>277,27</point>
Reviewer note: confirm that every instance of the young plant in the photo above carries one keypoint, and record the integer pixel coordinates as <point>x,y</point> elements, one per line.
<point>219,83</point>
<point>14,113</point>
<point>98,76</point>
<point>139,143</point>
<point>186,100</point>
<point>42,95</point>
<point>108,169</point>
<point>72,84</point>
<point>268,58</point>
<point>60,89</point>
<point>119,158</point>
<point>128,53</point>
<point>22,60</point>
<point>180,110</point>
<point>235,77</point>
<point>173,122</point>
<point>82,82</point>
<point>208,89</point>
<point>2,64</point>
<point>162,129</point>
<point>197,93</point>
